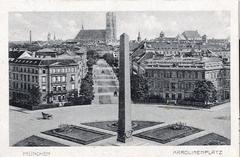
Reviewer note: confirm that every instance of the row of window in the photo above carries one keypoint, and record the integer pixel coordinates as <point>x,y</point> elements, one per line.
<point>22,86</point>
<point>25,69</point>
<point>178,74</point>
<point>62,87</point>
<point>63,70</point>
<point>23,77</point>
<point>173,86</point>
<point>57,79</point>
<point>173,96</point>
<point>62,78</point>
<point>57,88</point>
<point>217,74</point>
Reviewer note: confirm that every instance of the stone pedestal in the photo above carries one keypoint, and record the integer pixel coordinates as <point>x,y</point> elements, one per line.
<point>124,111</point>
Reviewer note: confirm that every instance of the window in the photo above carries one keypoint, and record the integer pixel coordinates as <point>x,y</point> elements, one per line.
<point>43,71</point>
<point>166,85</point>
<point>179,95</point>
<point>203,75</point>
<point>72,77</point>
<point>44,88</point>
<point>53,79</point>
<point>72,70</point>
<point>196,74</point>
<point>63,79</point>
<point>59,88</point>
<point>32,78</point>
<point>167,95</point>
<point>64,87</point>
<point>58,78</point>
<point>43,79</point>
<point>25,78</point>
<point>53,70</point>
<point>62,70</point>
<point>173,86</point>
<point>73,86</point>
<point>183,74</point>
<point>28,78</point>
<point>54,88</point>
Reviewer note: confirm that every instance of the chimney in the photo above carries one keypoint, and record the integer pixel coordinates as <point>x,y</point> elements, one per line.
<point>30,36</point>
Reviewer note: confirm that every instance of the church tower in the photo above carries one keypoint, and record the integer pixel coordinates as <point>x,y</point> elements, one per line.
<point>111,27</point>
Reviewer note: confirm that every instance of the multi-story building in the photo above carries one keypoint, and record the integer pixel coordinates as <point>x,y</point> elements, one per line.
<point>174,78</point>
<point>54,77</point>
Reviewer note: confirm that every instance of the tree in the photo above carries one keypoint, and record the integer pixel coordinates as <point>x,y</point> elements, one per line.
<point>139,88</point>
<point>90,62</point>
<point>34,96</point>
<point>85,95</point>
<point>110,59</point>
<point>86,91</point>
<point>204,92</point>
<point>72,95</point>
<point>92,54</point>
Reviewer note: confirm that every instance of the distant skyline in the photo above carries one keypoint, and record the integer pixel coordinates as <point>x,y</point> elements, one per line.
<point>66,25</point>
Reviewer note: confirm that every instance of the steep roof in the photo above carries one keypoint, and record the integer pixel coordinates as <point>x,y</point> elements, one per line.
<point>91,35</point>
<point>44,62</point>
<point>15,54</point>
<point>46,50</point>
<point>55,62</point>
<point>32,61</point>
<point>191,35</point>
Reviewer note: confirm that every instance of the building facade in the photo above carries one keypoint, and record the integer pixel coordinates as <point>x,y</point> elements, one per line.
<point>174,78</point>
<point>54,77</point>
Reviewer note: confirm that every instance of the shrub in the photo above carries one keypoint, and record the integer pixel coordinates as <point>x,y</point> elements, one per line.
<point>156,99</point>
<point>178,126</point>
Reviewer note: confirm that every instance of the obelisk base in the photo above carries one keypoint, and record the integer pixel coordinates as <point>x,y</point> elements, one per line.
<point>125,136</point>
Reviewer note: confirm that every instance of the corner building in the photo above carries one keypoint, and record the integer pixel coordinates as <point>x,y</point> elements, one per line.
<point>55,77</point>
<point>174,78</point>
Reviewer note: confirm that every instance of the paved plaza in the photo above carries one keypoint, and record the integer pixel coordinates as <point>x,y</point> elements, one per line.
<point>24,123</point>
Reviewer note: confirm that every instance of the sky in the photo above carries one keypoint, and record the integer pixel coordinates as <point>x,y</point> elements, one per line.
<point>66,25</point>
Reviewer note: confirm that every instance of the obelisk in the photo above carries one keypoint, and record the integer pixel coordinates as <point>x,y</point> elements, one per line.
<point>124,104</point>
